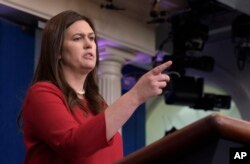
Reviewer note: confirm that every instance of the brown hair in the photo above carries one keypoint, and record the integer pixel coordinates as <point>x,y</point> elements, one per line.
<point>48,68</point>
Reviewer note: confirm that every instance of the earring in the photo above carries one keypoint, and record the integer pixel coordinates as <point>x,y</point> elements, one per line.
<point>59,57</point>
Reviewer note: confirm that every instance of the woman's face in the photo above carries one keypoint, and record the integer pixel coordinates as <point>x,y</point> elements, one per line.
<point>79,48</point>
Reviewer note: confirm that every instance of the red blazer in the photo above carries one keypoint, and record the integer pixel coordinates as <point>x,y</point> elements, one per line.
<point>52,134</point>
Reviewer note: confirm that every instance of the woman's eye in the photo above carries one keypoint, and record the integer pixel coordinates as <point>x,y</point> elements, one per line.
<point>91,38</point>
<point>77,38</point>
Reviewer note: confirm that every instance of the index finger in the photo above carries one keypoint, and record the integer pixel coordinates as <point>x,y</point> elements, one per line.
<point>161,67</point>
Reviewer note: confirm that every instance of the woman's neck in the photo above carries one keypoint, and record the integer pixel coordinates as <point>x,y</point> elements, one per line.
<point>76,81</point>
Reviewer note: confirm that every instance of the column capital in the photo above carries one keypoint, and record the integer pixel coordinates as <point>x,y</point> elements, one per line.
<point>109,71</point>
<point>115,54</point>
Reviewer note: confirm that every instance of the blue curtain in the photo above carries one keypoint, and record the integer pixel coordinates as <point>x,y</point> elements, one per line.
<point>133,131</point>
<point>16,68</point>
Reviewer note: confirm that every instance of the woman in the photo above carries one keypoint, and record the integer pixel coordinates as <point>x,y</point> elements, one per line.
<point>65,119</point>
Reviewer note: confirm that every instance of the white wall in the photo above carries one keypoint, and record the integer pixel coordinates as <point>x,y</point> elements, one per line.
<point>114,27</point>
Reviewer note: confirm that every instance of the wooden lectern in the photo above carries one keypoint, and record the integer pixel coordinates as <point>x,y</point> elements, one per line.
<point>206,141</point>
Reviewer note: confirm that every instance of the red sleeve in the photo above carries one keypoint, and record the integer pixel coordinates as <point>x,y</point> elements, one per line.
<point>46,113</point>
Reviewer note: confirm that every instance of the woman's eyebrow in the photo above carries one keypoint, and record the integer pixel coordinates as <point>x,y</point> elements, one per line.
<point>81,33</point>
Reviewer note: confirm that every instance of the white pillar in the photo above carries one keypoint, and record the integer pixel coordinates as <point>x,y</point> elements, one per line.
<point>109,79</point>
<point>109,72</point>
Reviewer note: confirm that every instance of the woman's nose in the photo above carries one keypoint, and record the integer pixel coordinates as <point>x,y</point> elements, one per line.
<point>87,44</point>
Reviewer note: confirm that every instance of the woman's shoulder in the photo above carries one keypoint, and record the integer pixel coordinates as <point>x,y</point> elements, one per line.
<point>44,86</point>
